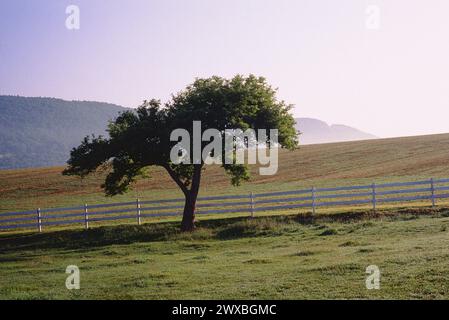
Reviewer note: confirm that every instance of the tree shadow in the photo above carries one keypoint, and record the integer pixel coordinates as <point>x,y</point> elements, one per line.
<point>213,229</point>
<point>87,239</point>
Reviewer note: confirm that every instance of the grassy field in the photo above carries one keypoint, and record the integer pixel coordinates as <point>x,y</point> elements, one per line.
<point>282,255</point>
<point>384,160</point>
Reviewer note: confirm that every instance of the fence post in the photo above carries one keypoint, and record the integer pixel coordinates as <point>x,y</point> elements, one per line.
<point>432,190</point>
<point>39,219</point>
<point>252,204</point>
<point>86,217</point>
<point>138,211</point>
<point>373,186</point>
<point>313,200</point>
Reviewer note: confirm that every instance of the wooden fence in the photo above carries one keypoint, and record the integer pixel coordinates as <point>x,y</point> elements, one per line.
<point>371,195</point>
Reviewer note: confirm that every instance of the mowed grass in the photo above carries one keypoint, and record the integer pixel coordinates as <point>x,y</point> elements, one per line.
<point>349,163</point>
<point>279,257</point>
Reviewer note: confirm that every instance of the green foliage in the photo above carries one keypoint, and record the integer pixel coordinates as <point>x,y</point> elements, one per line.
<point>241,102</point>
<point>141,139</point>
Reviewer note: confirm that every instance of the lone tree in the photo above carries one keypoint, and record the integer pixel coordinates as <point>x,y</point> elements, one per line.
<point>139,139</point>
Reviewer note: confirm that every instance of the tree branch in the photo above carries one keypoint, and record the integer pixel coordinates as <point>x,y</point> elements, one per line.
<point>176,179</point>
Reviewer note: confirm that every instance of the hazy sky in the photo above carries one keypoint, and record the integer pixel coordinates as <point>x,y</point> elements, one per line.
<point>333,59</point>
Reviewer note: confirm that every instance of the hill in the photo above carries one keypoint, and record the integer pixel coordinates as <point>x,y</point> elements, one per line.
<point>345,163</point>
<point>37,132</point>
<point>316,131</point>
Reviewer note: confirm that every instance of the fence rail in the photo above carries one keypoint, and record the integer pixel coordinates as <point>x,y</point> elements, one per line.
<point>313,198</point>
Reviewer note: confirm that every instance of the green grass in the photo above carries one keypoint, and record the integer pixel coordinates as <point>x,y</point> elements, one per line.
<point>335,164</point>
<point>278,257</point>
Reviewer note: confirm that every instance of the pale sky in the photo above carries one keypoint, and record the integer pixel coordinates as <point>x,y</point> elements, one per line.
<point>323,55</point>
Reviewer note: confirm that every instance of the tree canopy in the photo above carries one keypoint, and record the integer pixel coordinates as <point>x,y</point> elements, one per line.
<point>139,139</point>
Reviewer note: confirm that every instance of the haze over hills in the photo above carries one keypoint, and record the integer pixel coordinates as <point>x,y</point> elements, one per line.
<point>38,132</point>
<point>315,131</point>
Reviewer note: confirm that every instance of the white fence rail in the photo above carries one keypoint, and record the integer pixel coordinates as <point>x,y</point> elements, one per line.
<point>371,195</point>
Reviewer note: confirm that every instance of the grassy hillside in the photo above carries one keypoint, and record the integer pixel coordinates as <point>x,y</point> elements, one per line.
<point>346,163</point>
<point>290,257</point>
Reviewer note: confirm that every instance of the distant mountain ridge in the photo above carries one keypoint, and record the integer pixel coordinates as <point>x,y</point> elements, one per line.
<point>39,132</point>
<point>315,131</point>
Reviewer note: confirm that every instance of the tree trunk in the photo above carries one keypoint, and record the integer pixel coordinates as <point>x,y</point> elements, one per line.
<point>188,217</point>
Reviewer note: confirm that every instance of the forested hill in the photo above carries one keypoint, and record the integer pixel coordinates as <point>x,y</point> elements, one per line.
<point>36,132</point>
<point>39,132</point>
